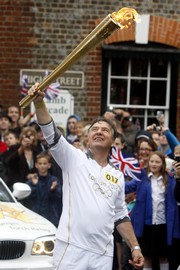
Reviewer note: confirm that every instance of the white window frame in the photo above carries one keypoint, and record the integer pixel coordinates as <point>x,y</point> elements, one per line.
<point>146,107</point>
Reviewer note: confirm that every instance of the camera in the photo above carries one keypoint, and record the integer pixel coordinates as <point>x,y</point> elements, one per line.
<point>156,128</point>
<point>177,158</point>
<point>119,116</point>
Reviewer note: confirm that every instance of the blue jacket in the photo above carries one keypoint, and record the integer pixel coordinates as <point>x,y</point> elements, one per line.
<point>44,201</point>
<point>172,141</point>
<point>142,212</point>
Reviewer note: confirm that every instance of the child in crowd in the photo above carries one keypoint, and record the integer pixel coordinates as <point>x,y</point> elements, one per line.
<point>10,138</point>
<point>155,214</point>
<point>45,198</point>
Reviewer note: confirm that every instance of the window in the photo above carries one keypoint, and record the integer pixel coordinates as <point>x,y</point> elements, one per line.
<point>140,85</point>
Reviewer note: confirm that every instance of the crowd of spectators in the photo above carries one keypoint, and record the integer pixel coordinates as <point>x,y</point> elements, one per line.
<point>24,157</point>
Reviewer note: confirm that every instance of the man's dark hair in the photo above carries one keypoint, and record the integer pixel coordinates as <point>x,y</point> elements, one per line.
<point>103,119</point>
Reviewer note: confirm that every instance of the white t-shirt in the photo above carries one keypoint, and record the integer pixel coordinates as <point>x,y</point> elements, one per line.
<point>93,198</point>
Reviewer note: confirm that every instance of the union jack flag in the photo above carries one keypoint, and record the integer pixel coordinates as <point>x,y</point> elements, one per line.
<point>52,91</point>
<point>128,165</point>
<point>24,87</point>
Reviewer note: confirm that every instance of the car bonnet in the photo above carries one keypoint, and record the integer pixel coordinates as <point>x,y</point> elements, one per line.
<point>16,221</point>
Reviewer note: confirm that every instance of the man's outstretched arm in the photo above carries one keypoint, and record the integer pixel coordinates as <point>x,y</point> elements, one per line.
<point>42,113</point>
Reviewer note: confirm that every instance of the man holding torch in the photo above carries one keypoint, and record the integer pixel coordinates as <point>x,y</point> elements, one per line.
<point>93,197</point>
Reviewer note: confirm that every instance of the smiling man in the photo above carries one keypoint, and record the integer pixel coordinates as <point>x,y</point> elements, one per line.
<point>93,197</point>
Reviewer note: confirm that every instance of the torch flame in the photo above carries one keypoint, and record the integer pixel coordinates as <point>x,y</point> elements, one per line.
<point>121,19</point>
<point>125,17</point>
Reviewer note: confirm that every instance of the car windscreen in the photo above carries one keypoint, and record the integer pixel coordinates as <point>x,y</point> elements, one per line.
<point>4,194</point>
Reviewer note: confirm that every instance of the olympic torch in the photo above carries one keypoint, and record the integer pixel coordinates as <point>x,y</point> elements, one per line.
<point>116,20</point>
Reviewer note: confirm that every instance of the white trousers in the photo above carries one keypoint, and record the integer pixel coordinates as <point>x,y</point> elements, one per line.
<point>69,257</point>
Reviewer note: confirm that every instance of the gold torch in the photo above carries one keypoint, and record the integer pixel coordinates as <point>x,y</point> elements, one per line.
<point>121,19</point>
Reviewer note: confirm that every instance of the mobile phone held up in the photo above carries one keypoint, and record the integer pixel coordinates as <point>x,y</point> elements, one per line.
<point>177,158</point>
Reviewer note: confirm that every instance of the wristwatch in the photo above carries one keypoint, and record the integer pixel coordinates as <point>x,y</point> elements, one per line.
<point>135,248</point>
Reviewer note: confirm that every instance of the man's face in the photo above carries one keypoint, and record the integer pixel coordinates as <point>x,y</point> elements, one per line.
<point>13,113</point>
<point>100,135</point>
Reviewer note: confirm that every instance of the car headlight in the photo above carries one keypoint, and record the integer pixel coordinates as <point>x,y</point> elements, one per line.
<point>43,246</point>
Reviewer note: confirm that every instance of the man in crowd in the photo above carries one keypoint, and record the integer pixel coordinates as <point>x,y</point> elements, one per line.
<point>93,197</point>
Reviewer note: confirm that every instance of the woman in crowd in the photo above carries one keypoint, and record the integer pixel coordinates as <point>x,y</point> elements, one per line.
<point>144,148</point>
<point>20,162</point>
<point>71,127</point>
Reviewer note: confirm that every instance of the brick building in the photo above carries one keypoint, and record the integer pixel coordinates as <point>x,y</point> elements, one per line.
<point>120,72</point>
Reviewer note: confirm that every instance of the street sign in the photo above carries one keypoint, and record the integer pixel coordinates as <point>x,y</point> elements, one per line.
<point>68,80</point>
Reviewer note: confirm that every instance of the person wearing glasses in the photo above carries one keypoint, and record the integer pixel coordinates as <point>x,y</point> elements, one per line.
<point>144,148</point>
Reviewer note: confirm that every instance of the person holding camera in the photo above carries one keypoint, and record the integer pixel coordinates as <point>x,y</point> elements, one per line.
<point>20,162</point>
<point>129,130</point>
<point>116,116</point>
<point>167,140</point>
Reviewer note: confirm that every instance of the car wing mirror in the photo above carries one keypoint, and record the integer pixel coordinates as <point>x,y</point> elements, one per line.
<point>21,190</point>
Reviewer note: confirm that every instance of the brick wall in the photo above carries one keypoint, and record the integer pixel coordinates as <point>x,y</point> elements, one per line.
<point>39,34</point>
<point>16,33</point>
